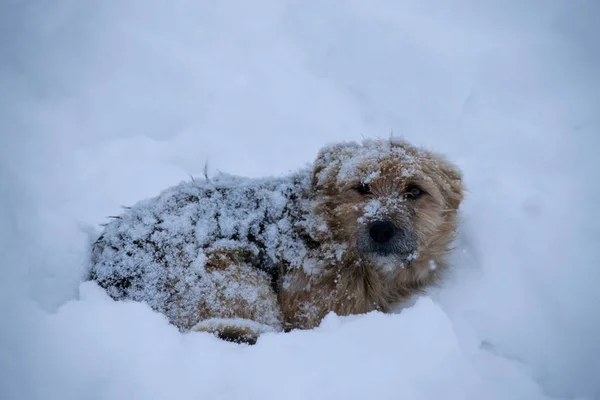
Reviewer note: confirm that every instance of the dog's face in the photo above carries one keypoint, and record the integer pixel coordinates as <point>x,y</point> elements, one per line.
<point>391,202</point>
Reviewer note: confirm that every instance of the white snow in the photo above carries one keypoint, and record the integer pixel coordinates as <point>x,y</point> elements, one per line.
<point>103,104</point>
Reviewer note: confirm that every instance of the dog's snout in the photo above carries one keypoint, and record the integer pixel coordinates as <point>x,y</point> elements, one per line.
<point>382,231</point>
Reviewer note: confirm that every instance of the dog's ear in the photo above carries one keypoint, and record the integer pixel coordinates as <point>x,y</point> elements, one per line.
<point>452,186</point>
<point>328,164</point>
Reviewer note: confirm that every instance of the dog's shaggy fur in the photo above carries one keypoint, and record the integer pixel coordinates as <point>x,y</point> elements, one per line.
<point>365,228</point>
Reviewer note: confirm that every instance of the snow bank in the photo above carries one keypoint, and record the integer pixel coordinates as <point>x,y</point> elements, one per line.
<point>106,103</point>
<point>96,348</point>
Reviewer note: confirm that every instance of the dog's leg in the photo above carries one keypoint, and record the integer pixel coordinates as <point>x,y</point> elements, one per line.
<point>236,299</point>
<point>304,300</point>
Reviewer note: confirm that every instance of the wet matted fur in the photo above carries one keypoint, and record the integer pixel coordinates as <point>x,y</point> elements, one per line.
<point>365,227</point>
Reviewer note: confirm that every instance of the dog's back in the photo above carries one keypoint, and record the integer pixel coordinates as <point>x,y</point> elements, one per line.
<point>157,250</point>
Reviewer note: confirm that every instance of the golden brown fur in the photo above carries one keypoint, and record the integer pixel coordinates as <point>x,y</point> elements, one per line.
<point>355,285</point>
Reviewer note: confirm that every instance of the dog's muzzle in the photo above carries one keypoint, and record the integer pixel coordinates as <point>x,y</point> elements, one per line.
<point>383,238</point>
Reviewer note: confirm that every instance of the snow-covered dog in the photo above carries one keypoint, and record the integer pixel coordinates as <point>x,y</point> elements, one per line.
<point>366,227</point>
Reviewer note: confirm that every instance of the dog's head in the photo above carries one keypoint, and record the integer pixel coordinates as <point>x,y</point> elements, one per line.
<point>392,202</point>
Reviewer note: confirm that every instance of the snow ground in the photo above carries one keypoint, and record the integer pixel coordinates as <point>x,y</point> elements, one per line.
<point>105,103</point>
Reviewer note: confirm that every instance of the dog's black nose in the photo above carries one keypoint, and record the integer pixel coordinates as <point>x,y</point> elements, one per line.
<point>382,231</point>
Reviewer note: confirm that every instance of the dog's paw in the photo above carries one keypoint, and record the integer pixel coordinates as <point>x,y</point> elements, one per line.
<point>237,330</point>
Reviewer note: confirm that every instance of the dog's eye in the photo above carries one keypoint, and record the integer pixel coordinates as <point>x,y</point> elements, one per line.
<point>363,188</point>
<point>413,192</point>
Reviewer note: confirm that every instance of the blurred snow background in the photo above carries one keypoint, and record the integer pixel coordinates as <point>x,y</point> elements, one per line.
<point>106,103</point>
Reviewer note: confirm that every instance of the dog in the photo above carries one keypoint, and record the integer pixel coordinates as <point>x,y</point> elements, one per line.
<point>366,227</point>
